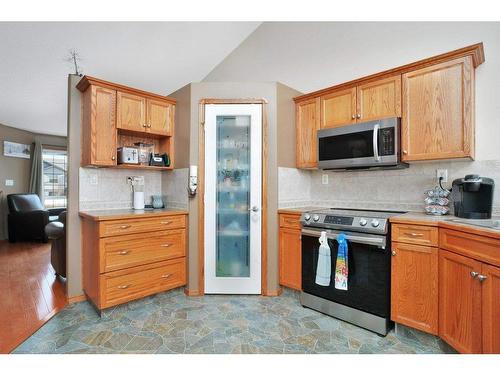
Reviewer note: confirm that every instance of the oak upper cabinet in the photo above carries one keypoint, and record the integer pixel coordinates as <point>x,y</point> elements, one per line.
<point>414,286</point>
<point>290,251</point>
<point>491,308</point>
<point>160,117</point>
<point>131,112</point>
<point>98,126</point>
<point>438,111</point>
<point>307,125</point>
<point>338,108</point>
<point>460,302</point>
<point>379,99</point>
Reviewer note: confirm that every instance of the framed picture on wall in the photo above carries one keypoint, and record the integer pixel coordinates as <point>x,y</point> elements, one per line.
<point>16,150</point>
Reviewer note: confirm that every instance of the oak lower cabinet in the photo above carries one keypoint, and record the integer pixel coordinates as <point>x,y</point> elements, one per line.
<point>491,308</point>
<point>438,111</point>
<point>459,302</point>
<point>290,251</point>
<point>414,277</point>
<point>126,258</point>
<point>307,125</point>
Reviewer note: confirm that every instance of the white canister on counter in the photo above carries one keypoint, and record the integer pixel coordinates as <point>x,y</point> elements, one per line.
<point>138,200</point>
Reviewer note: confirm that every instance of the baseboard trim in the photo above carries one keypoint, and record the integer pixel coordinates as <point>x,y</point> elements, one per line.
<point>76,299</point>
<point>273,293</point>
<point>193,293</point>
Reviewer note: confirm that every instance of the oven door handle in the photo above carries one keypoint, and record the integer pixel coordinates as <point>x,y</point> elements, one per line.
<point>368,240</point>
<point>376,128</point>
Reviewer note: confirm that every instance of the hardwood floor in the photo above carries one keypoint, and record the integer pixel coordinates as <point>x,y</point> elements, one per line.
<point>30,293</point>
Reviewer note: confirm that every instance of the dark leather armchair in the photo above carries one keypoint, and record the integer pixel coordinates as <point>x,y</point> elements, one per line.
<point>27,217</point>
<point>56,232</point>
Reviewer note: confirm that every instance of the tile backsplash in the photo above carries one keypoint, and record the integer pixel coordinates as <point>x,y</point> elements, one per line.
<point>174,187</point>
<point>112,190</point>
<point>386,189</point>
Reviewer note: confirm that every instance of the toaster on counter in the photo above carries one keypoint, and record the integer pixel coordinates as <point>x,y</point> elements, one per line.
<point>128,155</point>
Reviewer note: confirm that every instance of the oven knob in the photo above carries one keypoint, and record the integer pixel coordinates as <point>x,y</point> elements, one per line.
<point>307,217</point>
<point>362,222</point>
<point>316,217</point>
<point>375,223</point>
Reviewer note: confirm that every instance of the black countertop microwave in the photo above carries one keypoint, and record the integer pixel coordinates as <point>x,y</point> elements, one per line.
<point>366,145</point>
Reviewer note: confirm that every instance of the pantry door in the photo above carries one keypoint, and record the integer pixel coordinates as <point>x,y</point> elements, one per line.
<point>233,198</point>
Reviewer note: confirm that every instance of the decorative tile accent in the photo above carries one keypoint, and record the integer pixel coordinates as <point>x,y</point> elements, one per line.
<point>401,189</point>
<point>173,323</point>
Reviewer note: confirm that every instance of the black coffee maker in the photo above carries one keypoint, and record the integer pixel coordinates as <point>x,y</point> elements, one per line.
<point>473,196</point>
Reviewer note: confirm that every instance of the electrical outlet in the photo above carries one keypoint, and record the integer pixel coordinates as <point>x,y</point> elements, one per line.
<point>9,182</point>
<point>442,173</point>
<point>93,179</point>
<point>324,179</point>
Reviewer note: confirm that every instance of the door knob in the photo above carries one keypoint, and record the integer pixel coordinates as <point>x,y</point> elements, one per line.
<point>474,274</point>
<point>254,209</point>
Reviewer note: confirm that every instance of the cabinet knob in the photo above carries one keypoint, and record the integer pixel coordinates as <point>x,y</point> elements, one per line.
<point>393,253</point>
<point>144,125</point>
<point>405,152</point>
<point>353,117</point>
<point>113,157</point>
<point>358,116</point>
<point>474,274</point>
<point>481,278</point>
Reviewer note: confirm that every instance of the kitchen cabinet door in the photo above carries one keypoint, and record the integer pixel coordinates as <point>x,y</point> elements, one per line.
<point>338,108</point>
<point>307,125</point>
<point>379,99</point>
<point>460,302</point>
<point>131,112</point>
<point>98,127</point>
<point>491,309</point>
<point>438,114</point>
<point>290,258</point>
<point>160,117</point>
<point>414,286</point>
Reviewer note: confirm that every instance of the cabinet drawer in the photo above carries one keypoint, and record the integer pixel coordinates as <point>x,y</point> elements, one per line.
<point>134,250</point>
<point>481,248</point>
<point>119,287</point>
<point>119,227</point>
<point>290,221</point>
<point>415,234</point>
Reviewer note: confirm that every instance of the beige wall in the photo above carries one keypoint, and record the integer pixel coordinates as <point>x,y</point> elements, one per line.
<point>18,169</point>
<point>313,55</point>
<point>231,90</point>
<point>286,126</point>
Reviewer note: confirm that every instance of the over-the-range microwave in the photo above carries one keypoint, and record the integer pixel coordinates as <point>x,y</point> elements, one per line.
<point>366,145</point>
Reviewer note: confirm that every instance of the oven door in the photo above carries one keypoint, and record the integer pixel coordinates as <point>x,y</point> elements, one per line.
<point>363,145</point>
<point>369,279</point>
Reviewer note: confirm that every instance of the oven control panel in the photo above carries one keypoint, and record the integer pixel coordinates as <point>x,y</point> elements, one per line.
<point>339,220</point>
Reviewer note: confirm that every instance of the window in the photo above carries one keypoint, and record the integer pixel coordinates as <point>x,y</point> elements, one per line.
<point>55,181</point>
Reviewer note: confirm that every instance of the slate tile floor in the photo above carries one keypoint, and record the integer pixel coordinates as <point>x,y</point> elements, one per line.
<point>173,323</point>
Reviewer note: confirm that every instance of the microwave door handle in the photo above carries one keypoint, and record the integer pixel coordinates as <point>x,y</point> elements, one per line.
<point>375,142</point>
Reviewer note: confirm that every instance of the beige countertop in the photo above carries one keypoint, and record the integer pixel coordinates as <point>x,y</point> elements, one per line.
<point>115,214</point>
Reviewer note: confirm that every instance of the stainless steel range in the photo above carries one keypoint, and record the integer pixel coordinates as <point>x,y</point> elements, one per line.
<point>366,302</point>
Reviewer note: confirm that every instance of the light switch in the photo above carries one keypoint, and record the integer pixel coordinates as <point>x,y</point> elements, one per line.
<point>324,179</point>
<point>9,182</point>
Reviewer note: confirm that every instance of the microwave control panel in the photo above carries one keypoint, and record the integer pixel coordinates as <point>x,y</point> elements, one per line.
<point>386,141</point>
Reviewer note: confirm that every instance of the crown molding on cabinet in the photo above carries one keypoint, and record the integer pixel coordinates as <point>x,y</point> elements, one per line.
<point>476,51</point>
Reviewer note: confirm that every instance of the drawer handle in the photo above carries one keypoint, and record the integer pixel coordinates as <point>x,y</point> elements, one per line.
<point>124,226</point>
<point>166,245</point>
<point>414,234</point>
<point>123,252</point>
<point>123,286</point>
<point>165,222</point>
<point>166,276</point>
<point>291,221</point>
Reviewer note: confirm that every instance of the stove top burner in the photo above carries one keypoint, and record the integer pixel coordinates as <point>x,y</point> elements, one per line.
<point>370,221</point>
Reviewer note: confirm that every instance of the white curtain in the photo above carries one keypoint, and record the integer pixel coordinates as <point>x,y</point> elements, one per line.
<point>36,171</point>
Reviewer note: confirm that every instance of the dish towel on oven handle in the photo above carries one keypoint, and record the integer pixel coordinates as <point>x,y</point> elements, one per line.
<point>324,268</point>
<point>341,267</point>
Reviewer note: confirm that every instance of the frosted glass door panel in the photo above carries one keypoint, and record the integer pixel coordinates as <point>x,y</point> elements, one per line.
<point>233,196</point>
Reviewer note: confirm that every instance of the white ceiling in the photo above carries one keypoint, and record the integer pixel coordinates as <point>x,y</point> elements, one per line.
<point>159,57</point>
